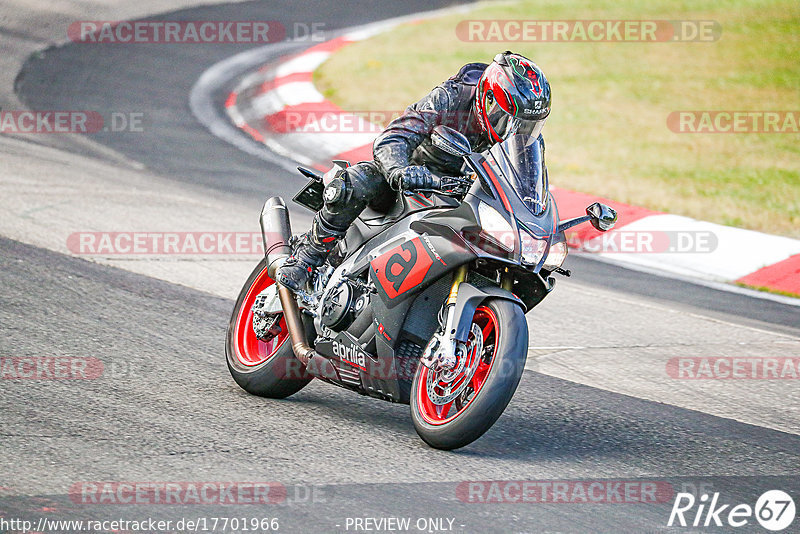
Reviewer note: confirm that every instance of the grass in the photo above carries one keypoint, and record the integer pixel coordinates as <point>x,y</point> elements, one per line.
<point>764,289</point>
<point>607,133</point>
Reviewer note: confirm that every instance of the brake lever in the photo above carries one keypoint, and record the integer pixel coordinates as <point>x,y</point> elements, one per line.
<point>456,179</point>
<point>445,182</point>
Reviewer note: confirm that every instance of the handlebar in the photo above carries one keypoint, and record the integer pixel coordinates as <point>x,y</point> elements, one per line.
<point>448,185</point>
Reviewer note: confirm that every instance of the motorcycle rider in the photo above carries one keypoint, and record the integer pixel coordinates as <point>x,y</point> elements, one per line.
<point>487,103</point>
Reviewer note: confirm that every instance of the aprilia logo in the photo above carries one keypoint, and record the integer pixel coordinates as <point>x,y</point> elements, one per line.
<point>402,268</point>
<point>349,354</point>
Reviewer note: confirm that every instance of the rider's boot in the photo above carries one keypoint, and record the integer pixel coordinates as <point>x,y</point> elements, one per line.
<point>344,197</point>
<point>311,252</point>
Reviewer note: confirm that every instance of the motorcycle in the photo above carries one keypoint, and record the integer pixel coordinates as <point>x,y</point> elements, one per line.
<point>424,304</point>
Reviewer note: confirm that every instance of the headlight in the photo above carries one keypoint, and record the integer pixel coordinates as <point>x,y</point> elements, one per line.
<point>496,227</point>
<point>531,248</point>
<point>556,256</point>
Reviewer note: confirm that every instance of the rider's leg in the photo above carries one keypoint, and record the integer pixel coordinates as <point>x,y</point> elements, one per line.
<point>345,198</point>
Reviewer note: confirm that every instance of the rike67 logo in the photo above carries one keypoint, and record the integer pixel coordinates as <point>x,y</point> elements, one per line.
<point>774,510</point>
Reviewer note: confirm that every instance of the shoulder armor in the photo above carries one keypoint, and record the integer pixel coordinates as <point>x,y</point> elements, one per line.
<point>470,73</point>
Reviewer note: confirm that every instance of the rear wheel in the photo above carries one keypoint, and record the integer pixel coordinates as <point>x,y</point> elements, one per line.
<point>263,368</point>
<point>453,409</point>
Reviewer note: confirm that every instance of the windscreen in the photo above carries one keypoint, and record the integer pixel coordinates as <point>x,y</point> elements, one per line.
<point>519,158</point>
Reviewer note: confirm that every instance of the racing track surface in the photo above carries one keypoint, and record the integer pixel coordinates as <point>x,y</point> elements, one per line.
<point>166,409</point>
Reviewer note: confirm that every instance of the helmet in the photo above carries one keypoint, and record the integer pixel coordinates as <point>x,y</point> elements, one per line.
<point>512,97</point>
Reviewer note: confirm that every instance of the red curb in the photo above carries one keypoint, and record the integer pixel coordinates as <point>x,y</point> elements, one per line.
<point>573,204</point>
<point>329,46</point>
<point>283,80</point>
<point>231,100</point>
<point>781,276</point>
<point>252,132</point>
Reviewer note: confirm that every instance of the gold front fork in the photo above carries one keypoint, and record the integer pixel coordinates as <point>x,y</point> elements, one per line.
<point>459,276</point>
<point>506,280</point>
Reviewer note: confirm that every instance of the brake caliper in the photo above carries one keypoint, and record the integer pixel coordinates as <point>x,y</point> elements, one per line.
<point>267,313</point>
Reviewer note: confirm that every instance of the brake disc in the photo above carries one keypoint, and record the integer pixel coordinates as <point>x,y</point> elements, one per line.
<point>469,356</point>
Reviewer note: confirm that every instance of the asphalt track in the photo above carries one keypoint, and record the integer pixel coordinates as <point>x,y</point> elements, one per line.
<point>165,408</point>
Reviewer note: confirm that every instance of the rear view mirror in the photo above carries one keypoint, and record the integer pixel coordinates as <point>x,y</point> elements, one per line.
<point>602,217</point>
<point>450,141</point>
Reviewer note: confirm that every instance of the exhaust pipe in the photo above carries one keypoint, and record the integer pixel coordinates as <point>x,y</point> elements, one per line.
<point>276,231</point>
<point>294,322</point>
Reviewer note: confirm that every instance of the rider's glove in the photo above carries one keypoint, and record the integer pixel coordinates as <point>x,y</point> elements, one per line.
<point>412,177</point>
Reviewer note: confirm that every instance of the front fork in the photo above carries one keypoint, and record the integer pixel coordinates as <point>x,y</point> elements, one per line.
<point>506,280</point>
<point>460,275</point>
<point>441,353</point>
<point>447,353</point>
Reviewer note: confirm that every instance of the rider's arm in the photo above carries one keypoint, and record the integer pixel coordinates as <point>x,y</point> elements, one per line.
<point>394,147</point>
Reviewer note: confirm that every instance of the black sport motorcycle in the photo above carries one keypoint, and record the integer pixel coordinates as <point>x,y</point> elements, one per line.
<point>424,304</point>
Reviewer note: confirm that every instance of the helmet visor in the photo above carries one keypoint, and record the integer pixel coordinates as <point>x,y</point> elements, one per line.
<point>505,125</point>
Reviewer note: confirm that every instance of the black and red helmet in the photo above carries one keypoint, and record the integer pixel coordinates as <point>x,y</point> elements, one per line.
<point>512,97</point>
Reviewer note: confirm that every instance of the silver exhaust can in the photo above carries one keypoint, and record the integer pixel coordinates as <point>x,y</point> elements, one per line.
<point>276,231</point>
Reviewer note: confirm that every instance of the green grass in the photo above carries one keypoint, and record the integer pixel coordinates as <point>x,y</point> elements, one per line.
<point>769,290</point>
<point>607,133</point>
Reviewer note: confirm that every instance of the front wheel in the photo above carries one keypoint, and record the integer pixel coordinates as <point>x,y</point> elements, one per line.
<point>452,409</point>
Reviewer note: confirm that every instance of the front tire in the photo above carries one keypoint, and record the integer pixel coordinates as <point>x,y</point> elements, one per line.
<point>267,369</point>
<point>463,420</point>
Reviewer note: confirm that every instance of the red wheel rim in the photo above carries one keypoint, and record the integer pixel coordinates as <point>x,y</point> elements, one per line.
<point>251,351</point>
<point>440,414</point>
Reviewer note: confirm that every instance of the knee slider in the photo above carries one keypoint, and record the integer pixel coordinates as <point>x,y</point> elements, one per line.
<point>338,192</point>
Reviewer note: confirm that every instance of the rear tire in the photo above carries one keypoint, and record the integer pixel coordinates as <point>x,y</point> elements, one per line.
<point>264,369</point>
<point>461,423</point>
